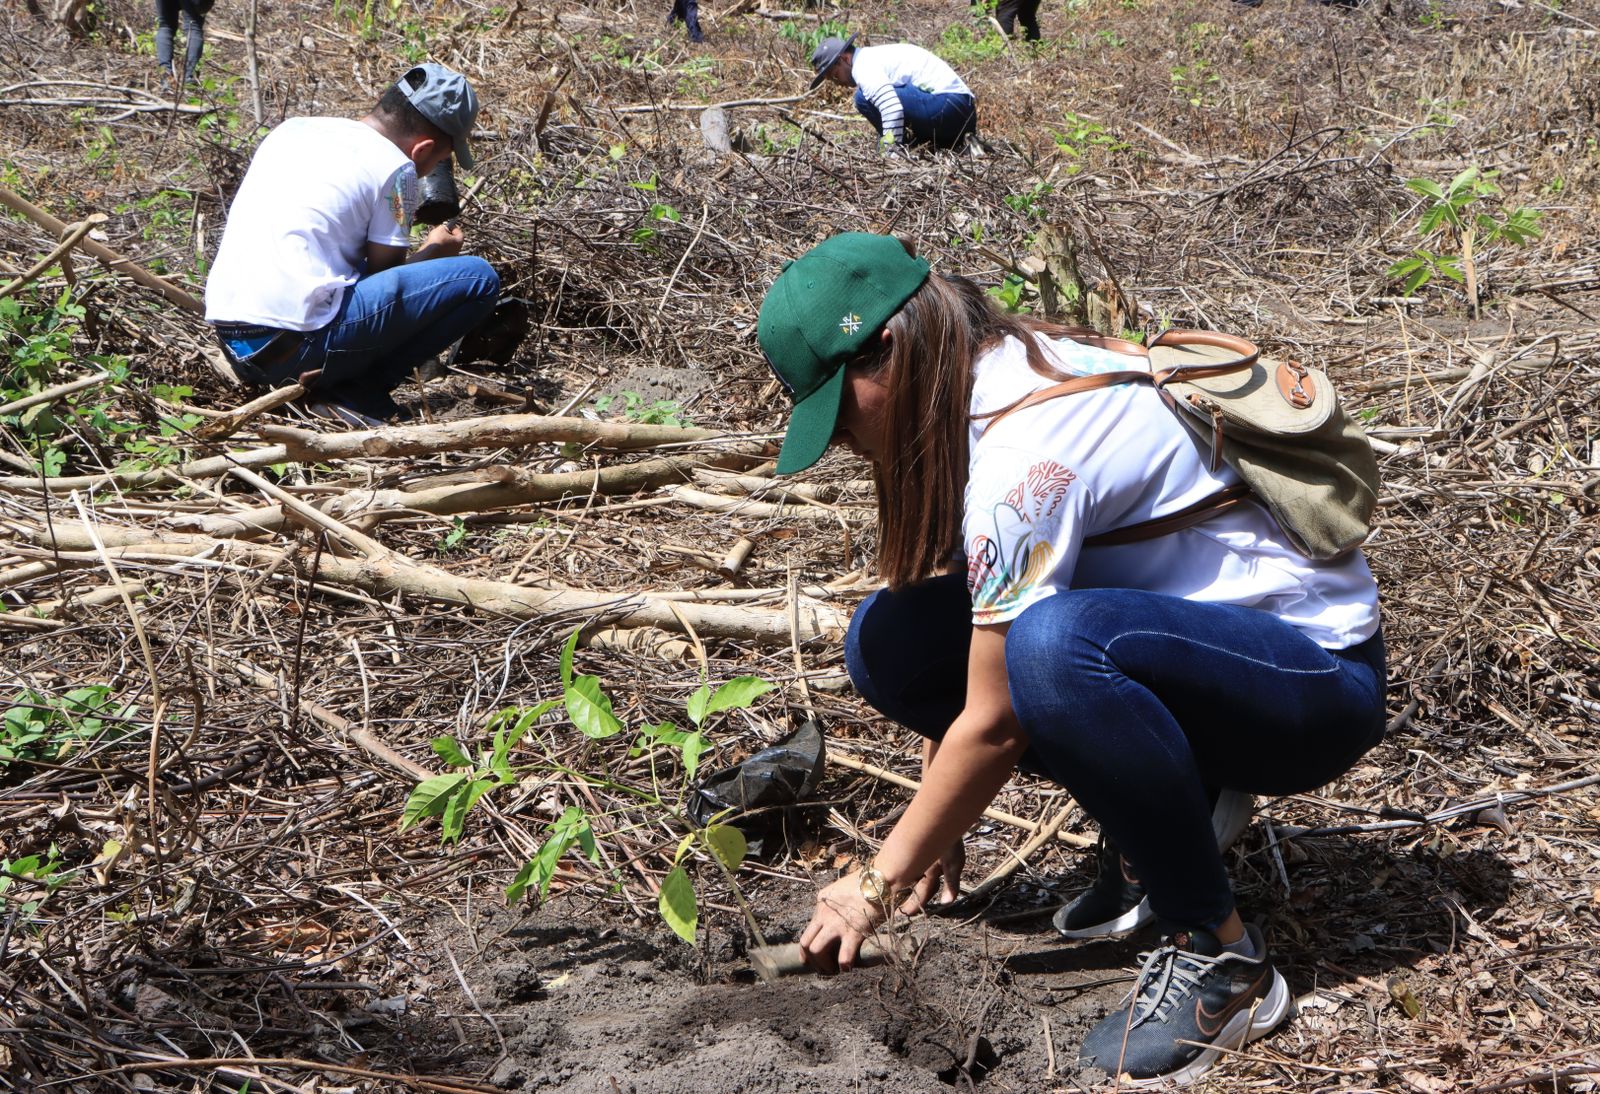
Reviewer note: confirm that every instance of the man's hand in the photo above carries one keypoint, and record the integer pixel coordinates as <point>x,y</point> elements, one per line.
<point>443,242</point>
<point>843,920</point>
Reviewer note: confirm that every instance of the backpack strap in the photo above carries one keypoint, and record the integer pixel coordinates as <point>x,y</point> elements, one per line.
<point>1189,515</point>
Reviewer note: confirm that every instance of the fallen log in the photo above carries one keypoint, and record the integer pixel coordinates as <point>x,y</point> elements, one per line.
<point>495,431</point>
<point>394,573</point>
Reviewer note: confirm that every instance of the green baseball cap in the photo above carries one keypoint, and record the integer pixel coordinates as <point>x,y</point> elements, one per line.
<point>823,310</point>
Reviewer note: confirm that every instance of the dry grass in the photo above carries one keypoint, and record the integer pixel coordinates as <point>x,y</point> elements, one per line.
<point>1249,178</point>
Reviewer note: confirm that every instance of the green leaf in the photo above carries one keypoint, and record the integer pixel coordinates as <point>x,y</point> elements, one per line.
<point>566,659</point>
<point>677,905</point>
<point>430,798</point>
<point>590,709</point>
<point>727,843</point>
<point>694,746</point>
<point>737,694</point>
<point>1426,187</point>
<point>454,822</point>
<point>695,708</point>
<point>449,750</point>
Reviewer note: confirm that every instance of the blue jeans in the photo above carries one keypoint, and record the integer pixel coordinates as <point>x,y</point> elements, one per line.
<point>941,120</point>
<point>1142,706</point>
<point>386,326</point>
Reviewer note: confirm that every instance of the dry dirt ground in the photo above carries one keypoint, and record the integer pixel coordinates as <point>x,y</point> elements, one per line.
<point>206,885</point>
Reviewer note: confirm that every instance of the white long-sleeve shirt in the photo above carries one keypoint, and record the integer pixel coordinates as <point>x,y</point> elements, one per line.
<point>878,70</point>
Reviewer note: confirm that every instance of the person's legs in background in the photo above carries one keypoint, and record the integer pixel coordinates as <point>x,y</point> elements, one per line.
<point>194,29</point>
<point>1027,11</point>
<point>687,12</point>
<point>166,27</point>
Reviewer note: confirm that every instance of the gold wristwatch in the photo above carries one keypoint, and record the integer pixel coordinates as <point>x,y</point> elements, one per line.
<point>875,887</point>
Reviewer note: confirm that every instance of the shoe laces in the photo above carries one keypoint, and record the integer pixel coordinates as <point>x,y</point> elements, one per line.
<point>1167,976</point>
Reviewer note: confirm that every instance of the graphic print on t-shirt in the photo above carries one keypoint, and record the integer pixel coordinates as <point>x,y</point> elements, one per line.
<point>1017,550</point>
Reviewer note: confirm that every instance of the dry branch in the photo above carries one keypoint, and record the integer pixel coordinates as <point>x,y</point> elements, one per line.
<point>498,431</point>
<point>105,254</point>
<point>392,573</point>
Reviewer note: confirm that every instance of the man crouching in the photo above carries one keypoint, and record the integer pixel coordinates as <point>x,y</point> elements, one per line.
<point>312,282</point>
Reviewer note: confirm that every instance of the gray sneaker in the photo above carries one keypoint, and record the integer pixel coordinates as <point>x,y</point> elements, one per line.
<point>1192,1000</point>
<point>1116,904</point>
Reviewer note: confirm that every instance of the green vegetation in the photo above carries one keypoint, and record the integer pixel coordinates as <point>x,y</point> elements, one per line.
<point>634,407</point>
<point>1081,137</point>
<point>452,796</point>
<point>44,727</point>
<point>1195,82</point>
<point>1453,216</point>
<point>35,872</point>
<point>36,341</point>
<point>808,37</point>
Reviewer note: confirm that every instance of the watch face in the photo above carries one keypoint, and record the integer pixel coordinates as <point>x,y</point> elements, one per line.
<point>872,884</point>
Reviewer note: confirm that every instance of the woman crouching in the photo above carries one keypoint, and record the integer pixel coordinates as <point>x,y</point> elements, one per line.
<point>1160,682</point>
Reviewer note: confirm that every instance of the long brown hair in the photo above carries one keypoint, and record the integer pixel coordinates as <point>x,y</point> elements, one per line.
<point>921,475</point>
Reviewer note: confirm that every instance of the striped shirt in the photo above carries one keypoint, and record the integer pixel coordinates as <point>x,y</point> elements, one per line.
<point>878,70</point>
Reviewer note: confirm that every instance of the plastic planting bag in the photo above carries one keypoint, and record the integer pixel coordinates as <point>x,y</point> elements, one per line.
<point>764,790</point>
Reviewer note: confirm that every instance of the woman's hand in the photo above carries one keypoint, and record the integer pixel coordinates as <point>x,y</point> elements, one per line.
<point>843,920</point>
<point>942,882</point>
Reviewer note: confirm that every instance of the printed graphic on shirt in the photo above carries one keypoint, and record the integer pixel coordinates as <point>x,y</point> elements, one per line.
<point>404,198</point>
<point>1011,542</point>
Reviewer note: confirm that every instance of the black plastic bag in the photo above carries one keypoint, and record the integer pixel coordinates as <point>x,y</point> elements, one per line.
<point>764,790</point>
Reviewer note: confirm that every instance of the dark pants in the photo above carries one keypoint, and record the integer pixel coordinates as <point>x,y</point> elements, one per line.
<point>1141,705</point>
<point>943,121</point>
<point>1027,11</point>
<point>194,20</point>
<point>687,12</point>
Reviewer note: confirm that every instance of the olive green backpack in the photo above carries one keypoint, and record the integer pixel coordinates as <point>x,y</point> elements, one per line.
<point>1277,423</point>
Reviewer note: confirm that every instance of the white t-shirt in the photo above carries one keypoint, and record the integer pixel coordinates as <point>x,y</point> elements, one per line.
<point>1042,479</point>
<point>317,191</point>
<point>878,70</point>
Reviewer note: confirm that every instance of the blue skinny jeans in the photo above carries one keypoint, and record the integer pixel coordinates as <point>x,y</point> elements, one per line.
<point>943,121</point>
<point>1142,706</point>
<point>387,325</point>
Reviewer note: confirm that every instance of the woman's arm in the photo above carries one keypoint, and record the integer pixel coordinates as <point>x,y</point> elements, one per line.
<point>976,757</point>
<point>978,754</point>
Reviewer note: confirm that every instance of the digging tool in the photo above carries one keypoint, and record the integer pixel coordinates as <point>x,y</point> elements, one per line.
<point>788,959</point>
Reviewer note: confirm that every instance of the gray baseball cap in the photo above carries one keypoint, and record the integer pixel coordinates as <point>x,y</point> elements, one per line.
<point>827,52</point>
<point>444,97</point>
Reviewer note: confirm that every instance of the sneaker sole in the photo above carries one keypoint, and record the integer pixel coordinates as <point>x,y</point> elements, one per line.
<point>1128,921</point>
<point>1247,1026</point>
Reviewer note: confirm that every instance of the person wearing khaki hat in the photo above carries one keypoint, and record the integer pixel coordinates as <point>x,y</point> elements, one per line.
<point>908,95</point>
<point>315,280</point>
<point>1161,681</point>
